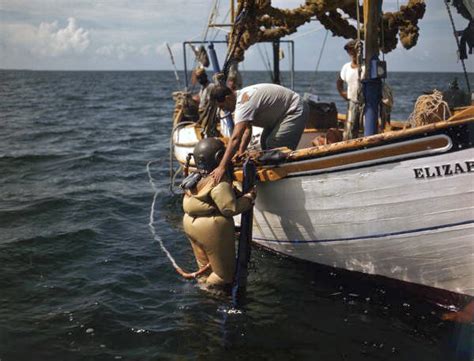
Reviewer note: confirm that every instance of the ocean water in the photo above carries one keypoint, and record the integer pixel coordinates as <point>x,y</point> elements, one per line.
<point>82,277</point>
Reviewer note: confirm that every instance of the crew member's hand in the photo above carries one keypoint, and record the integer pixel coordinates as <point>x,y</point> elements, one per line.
<point>217,174</point>
<point>238,157</point>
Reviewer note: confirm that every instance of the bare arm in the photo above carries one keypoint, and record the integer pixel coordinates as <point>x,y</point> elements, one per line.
<point>340,88</point>
<point>245,139</point>
<point>232,146</point>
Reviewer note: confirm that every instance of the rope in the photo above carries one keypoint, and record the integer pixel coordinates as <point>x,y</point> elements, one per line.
<point>152,218</point>
<point>306,33</point>
<point>212,16</point>
<point>174,66</point>
<point>429,109</point>
<point>157,238</point>
<point>268,64</point>
<point>319,61</point>
<point>458,44</point>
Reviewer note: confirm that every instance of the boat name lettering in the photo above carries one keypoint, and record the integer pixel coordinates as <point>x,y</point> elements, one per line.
<point>444,170</point>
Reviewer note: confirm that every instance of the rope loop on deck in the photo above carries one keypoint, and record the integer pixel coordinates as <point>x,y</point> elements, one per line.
<point>429,109</point>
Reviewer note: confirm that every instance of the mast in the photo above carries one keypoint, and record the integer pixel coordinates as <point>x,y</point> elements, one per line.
<point>372,84</point>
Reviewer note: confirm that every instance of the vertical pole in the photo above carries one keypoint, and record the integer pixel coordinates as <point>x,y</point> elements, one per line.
<point>292,65</point>
<point>372,84</point>
<point>214,60</point>
<point>245,238</point>
<point>185,68</point>
<point>276,62</point>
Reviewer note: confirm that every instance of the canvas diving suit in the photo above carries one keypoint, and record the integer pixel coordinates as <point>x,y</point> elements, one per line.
<point>208,222</point>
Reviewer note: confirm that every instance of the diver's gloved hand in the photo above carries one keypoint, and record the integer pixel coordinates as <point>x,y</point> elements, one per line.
<point>191,181</point>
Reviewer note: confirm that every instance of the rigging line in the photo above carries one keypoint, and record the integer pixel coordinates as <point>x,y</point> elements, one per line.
<point>268,62</point>
<point>306,33</point>
<point>216,33</point>
<point>458,44</point>
<point>319,61</point>
<point>174,65</point>
<point>212,15</point>
<point>265,61</point>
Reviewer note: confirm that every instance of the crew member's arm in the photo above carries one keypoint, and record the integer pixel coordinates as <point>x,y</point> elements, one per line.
<point>340,88</point>
<point>246,137</point>
<point>232,146</point>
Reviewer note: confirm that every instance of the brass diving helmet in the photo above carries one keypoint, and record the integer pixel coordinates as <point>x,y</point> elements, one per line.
<point>208,153</point>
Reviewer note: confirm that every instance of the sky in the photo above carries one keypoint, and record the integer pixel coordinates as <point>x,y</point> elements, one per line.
<point>132,35</point>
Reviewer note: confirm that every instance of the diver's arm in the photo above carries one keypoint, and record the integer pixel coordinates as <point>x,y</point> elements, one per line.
<point>223,196</point>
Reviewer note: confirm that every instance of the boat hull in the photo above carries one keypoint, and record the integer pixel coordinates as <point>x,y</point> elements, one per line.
<point>388,219</point>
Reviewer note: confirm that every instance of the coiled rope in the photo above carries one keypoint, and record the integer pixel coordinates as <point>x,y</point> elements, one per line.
<point>429,109</point>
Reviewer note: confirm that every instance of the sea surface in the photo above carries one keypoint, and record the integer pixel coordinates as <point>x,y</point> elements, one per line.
<point>83,277</point>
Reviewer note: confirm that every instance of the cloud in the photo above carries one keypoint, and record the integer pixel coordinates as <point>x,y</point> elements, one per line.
<point>50,40</point>
<point>145,50</point>
<point>35,34</point>
<point>106,50</point>
<point>47,39</point>
<point>122,50</point>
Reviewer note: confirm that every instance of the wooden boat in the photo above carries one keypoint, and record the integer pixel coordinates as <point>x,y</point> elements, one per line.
<point>399,204</point>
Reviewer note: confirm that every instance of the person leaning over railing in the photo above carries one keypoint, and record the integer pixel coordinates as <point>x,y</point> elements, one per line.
<point>281,113</point>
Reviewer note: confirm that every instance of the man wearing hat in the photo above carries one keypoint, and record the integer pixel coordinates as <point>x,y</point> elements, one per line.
<point>350,75</point>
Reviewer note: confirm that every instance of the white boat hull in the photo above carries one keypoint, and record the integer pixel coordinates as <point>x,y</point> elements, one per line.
<point>377,219</point>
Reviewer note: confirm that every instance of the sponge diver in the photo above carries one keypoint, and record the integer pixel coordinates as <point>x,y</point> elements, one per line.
<point>208,220</point>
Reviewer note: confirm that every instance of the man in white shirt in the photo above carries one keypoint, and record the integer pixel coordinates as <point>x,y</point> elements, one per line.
<point>281,113</point>
<point>350,75</point>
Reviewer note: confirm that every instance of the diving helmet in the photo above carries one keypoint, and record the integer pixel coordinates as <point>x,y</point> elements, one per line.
<point>208,153</point>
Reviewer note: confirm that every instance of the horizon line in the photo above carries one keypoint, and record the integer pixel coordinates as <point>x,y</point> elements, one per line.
<point>243,71</point>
